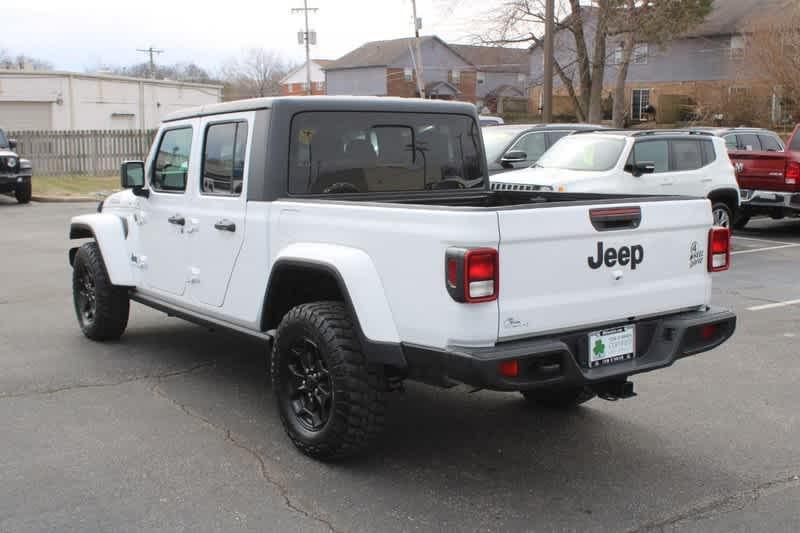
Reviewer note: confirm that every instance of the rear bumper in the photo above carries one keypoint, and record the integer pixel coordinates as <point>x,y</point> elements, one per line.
<point>560,360</point>
<point>769,201</point>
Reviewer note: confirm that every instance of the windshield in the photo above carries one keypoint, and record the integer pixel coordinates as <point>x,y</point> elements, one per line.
<point>496,140</point>
<point>3,140</point>
<point>581,152</point>
<point>359,152</point>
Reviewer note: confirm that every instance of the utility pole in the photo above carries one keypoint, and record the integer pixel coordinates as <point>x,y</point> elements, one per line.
<point>418,46</point>
<point>547,83</point>
<point>152,51</point>
<point>307,37</point>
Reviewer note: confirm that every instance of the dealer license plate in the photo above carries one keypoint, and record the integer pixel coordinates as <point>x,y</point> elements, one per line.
<point>611,346</point>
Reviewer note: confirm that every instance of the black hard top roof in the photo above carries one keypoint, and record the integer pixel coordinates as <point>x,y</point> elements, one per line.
<point>328,103</point>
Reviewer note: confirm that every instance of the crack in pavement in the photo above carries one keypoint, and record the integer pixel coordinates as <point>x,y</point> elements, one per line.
<point>132,379</point>
<point>724,504</point>
<point>238,442</point>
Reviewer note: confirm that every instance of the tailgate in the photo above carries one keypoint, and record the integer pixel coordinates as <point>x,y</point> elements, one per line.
<point>761,170</point>
<point>550,278</point>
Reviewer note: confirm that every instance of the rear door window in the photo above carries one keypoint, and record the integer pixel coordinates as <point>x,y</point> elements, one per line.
<point>656,152</point>
<point>731,143</point>
<point>770,143</point>
<point>749,142</point>
<point>687,155</point>
<point>223,158</point>
<point>368,152</point>
<point>171,165</point>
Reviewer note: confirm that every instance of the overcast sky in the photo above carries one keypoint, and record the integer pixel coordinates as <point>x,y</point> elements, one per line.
<point>83,34</point>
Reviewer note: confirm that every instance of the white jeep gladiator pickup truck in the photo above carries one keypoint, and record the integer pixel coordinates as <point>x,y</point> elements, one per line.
<point>359,238</point>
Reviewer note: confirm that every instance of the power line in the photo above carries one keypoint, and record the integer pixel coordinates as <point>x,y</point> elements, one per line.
<point>307,37</point>
<point>152,51</point>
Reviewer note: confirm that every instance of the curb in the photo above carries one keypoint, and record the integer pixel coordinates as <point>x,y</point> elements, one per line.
<point>65,199</point>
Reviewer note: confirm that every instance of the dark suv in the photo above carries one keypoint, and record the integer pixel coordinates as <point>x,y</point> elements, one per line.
<point>516,146</point>
<point>15,173</point>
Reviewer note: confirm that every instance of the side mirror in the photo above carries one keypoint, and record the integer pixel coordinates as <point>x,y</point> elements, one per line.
<point>132,177</point>
<point>642,167</point>
<point>12,143</point>
<point>515,156</point>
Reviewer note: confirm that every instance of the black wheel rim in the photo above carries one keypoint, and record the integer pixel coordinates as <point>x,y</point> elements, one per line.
<point>308,384</point>
<point>86,296</point>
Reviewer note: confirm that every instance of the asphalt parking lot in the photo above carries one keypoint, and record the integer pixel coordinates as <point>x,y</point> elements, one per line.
<point>173,427</point>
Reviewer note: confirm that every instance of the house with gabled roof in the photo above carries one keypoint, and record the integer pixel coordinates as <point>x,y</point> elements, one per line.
<point>453,72</point>
<point>296,82</point>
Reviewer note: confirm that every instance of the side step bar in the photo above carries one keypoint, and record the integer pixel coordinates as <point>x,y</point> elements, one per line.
<point>205,321</point>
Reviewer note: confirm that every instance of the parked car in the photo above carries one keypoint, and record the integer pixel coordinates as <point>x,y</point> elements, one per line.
<point>767,170</point>
<point>15,172</point>
<point>357,270</point>
<point>520,145</point>
<point>488,120</point>
<point>689,163</point>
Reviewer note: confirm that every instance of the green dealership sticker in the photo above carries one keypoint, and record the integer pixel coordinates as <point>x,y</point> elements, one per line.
<point>599,348</point>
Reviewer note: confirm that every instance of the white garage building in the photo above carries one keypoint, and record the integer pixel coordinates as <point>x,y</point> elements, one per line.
<point>33,100</point>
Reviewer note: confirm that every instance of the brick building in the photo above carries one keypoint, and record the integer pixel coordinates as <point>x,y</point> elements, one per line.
<point>295,83</point>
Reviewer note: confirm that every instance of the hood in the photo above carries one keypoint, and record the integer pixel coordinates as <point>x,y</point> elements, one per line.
<point>7,153</point>
<point>544,176</point>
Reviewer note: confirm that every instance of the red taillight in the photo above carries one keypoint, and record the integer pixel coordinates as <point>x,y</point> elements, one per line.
<point>509,368</point>
<point>481,279</point>
<point>708,332</point>
<point>472,274</point>
<point>792,174</point>
<point>719,249</point>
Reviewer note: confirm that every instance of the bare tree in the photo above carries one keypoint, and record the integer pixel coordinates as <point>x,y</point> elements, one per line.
<point>188,72</point>
<point>773,53</point>
<point>22,62</point>
<point>595,30</point>
<point>257,73</point>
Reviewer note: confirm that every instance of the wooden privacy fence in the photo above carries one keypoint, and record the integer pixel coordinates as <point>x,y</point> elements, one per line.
<point>84,152</point>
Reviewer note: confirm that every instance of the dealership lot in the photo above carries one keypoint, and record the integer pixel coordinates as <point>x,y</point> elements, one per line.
<point>174,427</point>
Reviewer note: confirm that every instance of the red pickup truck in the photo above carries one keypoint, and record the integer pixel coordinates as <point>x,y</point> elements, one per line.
<point>768,172</point>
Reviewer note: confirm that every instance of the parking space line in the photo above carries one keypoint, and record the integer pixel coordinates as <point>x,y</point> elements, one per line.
<point>760,240</point>
<point>773,306</point>
<point>766,249</point>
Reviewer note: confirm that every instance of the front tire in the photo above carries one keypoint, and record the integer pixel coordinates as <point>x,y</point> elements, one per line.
<point>723,216</point>
<point>567,398</point>
<point>330,399</point>
<point>101,307</point>
<point>23,192</point>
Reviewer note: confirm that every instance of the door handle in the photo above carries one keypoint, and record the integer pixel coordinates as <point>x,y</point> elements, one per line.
<point>177,220</point>
<point>225,225</point>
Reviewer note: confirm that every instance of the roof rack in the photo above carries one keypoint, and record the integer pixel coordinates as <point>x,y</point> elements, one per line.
<point>671,132</point>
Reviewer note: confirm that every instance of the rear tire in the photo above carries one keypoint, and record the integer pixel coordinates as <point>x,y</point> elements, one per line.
<point>23,192</point>
<point>723,215</point>
<point>330,399</point>
<point>567,398</point>
<point>740,221</point>
<point>101,307</point>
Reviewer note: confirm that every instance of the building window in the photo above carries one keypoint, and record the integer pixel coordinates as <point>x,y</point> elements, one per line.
<point>640,53</point>
<point>738,92</point>
<point>407,74</point>
<point>320,85</point>
<point>481,78</point>
<point>640,101</point>
<point>304,86</point>
<point>455,76</point>
<point>737,47</point>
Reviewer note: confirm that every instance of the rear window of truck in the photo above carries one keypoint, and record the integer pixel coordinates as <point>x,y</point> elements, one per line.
<point>367,152</point>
